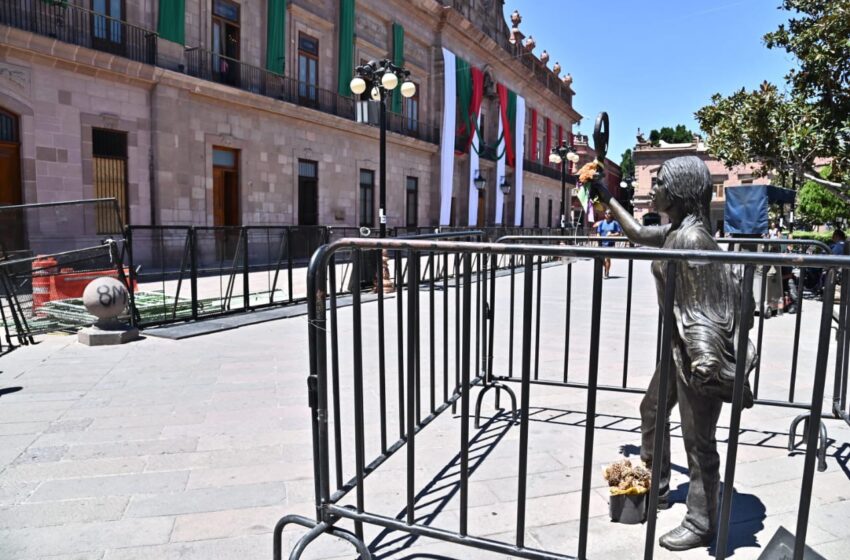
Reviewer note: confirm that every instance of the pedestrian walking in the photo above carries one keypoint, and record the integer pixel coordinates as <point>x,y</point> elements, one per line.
<point>606,228</point>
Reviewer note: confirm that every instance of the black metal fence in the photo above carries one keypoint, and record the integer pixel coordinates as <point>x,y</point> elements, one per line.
<point>188,272</point>
<point>72,24</point>
<point>441,359</point>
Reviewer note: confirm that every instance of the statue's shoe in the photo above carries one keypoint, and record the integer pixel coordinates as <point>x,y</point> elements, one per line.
<point>682,538</point>
<point>664,501</point>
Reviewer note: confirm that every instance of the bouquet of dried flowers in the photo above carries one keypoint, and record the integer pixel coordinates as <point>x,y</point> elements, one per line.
<point>589,171</point>
<point>624,478</point>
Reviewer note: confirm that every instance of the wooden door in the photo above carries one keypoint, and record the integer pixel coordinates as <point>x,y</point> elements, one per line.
<point>12,232</point>
<point>308,201</point>
<point>225,197</point>
<point>10,174</point>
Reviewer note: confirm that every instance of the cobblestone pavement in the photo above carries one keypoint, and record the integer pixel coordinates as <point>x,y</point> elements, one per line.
<point>193,449</point>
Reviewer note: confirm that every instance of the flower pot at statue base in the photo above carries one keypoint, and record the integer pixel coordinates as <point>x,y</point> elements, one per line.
<point>627,508</point>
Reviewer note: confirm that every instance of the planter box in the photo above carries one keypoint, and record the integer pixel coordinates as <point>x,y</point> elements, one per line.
<point>629,509</point>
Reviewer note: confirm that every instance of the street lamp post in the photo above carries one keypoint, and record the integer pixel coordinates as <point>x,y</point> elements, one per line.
<point>382,76</point>
<point>561,155</point>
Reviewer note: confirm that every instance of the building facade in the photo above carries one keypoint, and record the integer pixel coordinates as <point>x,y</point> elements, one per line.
<point>229,112</point>
<point>648,160</point>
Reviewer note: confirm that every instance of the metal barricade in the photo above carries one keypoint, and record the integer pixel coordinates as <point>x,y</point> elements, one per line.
<point>191,272</point>
<point>422,396</point>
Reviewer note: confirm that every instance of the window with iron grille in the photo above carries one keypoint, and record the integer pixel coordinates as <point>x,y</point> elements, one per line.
<point>411,110</point>
<point>109,160</point>
<point>308,67</point>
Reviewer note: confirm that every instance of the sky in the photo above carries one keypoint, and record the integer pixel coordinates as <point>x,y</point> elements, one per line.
<point>653,63</point>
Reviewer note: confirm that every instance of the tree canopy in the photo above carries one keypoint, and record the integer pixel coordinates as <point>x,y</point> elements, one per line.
<point>816,205</point>
<point>627,164</point>
<point>678,135</point>
<point>788,131</point>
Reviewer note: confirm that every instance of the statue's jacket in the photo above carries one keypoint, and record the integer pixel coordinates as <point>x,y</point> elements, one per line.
<point>708,316</point>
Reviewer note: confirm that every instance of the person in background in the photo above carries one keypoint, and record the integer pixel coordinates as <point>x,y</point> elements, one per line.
<point>775,232</point>
<point>608,227</point>
<point>837,248</point>
<point>838,240</point>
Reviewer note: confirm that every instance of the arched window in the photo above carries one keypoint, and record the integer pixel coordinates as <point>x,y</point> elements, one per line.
<point>8,127</point>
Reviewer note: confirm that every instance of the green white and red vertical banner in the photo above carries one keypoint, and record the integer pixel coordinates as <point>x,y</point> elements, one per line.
<point>463,93</point>
<point>447,137</point>
<point>506,149</point>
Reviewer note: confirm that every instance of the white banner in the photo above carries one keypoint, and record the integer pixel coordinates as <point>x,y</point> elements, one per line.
<point>500,176</point>
<point>473,173</point>
<point>519,142</point>
<point>447,136</point>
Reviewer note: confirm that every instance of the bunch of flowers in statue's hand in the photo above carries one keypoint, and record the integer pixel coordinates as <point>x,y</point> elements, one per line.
<point>588,171</point>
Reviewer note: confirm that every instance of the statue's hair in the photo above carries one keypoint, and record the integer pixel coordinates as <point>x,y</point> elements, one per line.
<point>688,183</point>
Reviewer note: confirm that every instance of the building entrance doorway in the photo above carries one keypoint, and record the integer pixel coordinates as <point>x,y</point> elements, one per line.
<point>12,228</point>
<point>226,187</point>
<point>308,193</point>
<point>226,210</point>
<point>482,208</point>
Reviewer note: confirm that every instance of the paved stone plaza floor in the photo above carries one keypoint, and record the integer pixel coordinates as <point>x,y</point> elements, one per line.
<point>192,449</point>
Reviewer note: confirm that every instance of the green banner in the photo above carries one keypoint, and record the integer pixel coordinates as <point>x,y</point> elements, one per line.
<point>276,36</point>
<point>346,47</point>
<point>398,60</point>
<point>172,20</point>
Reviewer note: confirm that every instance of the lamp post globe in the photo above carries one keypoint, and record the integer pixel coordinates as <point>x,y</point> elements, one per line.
<point>389,80</point>
<point>408,89</point>
<point>358,85</point>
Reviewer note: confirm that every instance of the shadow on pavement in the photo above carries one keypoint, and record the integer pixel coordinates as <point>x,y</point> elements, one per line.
<point>441,490</point>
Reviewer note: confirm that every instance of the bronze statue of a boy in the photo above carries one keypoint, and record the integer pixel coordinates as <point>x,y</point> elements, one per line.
<point>708,316</point>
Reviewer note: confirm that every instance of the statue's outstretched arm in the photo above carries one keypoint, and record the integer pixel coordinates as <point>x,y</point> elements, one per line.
<point>651,236</point>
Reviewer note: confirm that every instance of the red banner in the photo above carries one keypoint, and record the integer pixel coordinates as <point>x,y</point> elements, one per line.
<point>533,146</point>
<point>475,102</point>
<point>507,126</point>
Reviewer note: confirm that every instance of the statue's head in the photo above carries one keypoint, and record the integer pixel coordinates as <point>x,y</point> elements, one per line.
<point>684,184</point>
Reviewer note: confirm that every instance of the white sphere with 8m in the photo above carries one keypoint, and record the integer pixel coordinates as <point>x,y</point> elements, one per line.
<point>105,298</point>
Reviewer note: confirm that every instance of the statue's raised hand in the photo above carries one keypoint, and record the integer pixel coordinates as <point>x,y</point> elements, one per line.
<point>591,175</point>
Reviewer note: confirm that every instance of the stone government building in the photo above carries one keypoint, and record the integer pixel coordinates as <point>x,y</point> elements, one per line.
<point>226,112</point>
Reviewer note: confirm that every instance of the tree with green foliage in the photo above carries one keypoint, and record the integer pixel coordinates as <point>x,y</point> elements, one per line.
<point>627,164</point>
<point>678,135</point>
<point>788,132</point>
<point>818,206</point>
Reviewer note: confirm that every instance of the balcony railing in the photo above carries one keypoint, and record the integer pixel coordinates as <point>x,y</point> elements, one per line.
<point>79,26</point>
<point>224,70</point>
<point>545,170</point>
<point>407,126</point>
